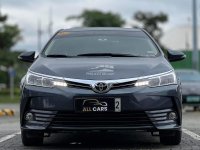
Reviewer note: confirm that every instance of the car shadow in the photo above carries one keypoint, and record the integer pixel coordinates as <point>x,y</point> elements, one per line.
<point>103,140</point>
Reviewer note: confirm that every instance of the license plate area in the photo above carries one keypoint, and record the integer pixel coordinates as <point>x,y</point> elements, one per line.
<point>193,99</point>
<point>98,105</point>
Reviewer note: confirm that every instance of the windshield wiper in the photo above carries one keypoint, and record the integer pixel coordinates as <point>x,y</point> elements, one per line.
<point>109,54</point>
<point>57,55</point>
<point>93,54</point>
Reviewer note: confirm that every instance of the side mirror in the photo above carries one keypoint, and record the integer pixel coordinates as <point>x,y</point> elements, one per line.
<point>27,56</point>
<point>175,55</point>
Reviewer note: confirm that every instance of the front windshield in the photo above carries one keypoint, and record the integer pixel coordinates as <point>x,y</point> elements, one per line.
<point>95,44</point>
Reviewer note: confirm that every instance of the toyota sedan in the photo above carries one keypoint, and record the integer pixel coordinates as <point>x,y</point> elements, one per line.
<point>101,79</point>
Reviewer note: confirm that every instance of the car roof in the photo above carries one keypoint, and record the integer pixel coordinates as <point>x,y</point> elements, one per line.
<point>103,29</point>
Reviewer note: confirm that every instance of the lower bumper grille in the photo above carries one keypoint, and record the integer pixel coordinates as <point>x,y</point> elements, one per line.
<point>98,120</point>
<point>157,119</point>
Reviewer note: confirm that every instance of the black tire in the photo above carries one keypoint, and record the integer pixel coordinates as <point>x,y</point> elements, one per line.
<point>32,138</point>
<point>195,108</point>
<point>170,137</point>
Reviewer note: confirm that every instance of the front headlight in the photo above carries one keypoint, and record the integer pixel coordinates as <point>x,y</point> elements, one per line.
<point>40,80</point>
<point>160,80</point>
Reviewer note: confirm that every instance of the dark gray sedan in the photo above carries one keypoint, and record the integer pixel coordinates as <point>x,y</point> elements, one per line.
<point>99,79</point>
<point>190,80</point>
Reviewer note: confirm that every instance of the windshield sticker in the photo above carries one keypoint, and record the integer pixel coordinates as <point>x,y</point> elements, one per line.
<point>101,70</point>
<point>63,33</point>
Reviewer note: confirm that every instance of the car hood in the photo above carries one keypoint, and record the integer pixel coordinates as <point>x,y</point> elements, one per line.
<point>101,68</point>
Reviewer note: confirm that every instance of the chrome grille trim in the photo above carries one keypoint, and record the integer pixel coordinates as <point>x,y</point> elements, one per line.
<point>91,82</point>
<point>78,85</point>
<point>160,117</point>
<point>123,85</point>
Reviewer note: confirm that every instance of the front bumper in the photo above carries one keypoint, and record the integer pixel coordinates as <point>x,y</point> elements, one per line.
<point>143,108</point>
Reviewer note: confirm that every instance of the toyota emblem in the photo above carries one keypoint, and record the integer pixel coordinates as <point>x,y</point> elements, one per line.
<point>101,87</point>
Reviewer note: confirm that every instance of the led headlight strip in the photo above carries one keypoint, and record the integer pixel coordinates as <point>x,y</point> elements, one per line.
<point>40,80</point>
<point>160,80</point>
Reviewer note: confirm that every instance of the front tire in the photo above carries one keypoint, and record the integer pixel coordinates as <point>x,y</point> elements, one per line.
<point>170,137</point>
<point>32,138</point>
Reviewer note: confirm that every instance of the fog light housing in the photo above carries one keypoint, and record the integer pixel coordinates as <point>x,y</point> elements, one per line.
<point>172,116</point>
<point>29,117</point>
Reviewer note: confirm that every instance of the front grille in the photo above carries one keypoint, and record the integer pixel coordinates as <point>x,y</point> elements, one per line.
<point>88,86</point>
<point>101,119</point>
<point>123,85</point>
<point>78,85</point>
